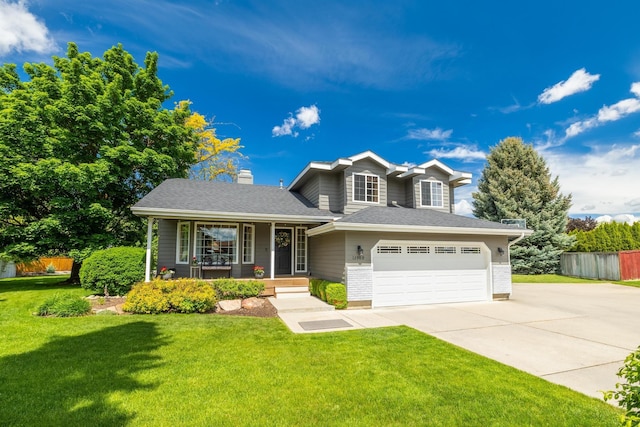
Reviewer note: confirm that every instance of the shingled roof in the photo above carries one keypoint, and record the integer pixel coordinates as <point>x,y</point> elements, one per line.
<point>222,199</point>
<point>396,215</point>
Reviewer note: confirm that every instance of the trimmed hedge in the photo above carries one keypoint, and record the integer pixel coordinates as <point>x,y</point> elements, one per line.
<point>165,296</point>
<point>113,271</point>
<point>228,289</point>
<point>337,295</point>
<point>64,305</point>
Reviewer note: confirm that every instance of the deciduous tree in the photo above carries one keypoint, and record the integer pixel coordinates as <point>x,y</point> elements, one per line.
<point>516,183</point>
<point>81,141</point>
<point>215,158</point>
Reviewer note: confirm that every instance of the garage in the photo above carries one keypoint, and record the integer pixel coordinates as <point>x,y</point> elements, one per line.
<point>423,272</point>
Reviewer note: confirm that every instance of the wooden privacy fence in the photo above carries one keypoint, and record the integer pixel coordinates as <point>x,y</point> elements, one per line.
<point>40,265</point>
<point>623,265</point>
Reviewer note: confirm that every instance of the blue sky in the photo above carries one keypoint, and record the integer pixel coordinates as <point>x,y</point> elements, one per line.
<point>302,81</point>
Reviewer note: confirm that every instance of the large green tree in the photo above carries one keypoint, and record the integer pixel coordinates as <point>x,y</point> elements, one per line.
<point>516,183</point>
<point>81,141</point>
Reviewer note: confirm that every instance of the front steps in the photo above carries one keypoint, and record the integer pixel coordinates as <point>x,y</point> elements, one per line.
<point>292,292</point>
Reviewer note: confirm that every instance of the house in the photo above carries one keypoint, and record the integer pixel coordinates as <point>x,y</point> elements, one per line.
<point>387,231</point>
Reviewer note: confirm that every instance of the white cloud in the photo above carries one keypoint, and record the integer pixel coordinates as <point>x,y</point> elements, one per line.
<point>308,116</point>
<point>21,31</point>
<point>304,119</point>
<point>608,113</point>
<point>467,154</point>
<point>463,207</point>
<point>600,181</point>
<point>621,218</point>
<point>436,134</point>
<point>286,128</point>
<point>579,81</point>
<point>618,110</point>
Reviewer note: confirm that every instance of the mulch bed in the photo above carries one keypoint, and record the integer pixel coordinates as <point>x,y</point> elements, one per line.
<point>267,309</point>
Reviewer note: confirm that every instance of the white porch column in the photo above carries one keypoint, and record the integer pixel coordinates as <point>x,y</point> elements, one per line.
<point>147,267</point>
<point>273,250</point>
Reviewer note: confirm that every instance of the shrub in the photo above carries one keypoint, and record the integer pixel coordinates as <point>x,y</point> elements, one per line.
<point>628,393</point>
<point>322,290</point>
<point>227,289</point>
<point>50,269</point>
<point>113,271</point>
<point>337,295</point>
<point>314,287</point>
<point>163,296</point>
<point>64,305</point>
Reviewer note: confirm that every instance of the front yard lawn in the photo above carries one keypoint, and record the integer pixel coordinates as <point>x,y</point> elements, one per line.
<point>201,370</point>
<point>556,278</point>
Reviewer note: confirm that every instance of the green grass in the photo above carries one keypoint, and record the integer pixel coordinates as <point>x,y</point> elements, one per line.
<point>556,278</point>
<point>201,370</point>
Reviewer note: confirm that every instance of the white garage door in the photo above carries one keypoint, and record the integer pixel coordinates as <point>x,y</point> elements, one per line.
<point>411,273</point>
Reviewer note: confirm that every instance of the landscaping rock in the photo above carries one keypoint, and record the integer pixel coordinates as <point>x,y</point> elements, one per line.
<point>251,303</point>
<point>230,305</point>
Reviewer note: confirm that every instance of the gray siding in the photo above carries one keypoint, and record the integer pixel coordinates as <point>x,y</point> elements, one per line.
<point>410,194</point>
<point>311,191</point>
<point>365,166</point>
<point>396,191</point>
<point>167,233</point>
<point>331,192</point>
<point>327,255</point>
<point>433,175</point>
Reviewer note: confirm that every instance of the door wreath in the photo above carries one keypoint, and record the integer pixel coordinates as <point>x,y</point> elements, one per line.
<point>283,239</point>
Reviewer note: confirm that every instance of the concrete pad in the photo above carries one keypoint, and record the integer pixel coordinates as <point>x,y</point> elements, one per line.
<point>300,305</point>
<point>316,325</point>
<point>293,319</point>
<point>435,318</point>
<point>591,381</point>
<point>368,319</point>
<point>533,350</point>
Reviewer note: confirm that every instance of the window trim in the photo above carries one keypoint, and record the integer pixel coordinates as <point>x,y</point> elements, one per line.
<point>253,244</point>
<point>432,181</point>
<point>229,224</point>
<point>353,188</point>
<point>179,241</point>
<point>303,231</point>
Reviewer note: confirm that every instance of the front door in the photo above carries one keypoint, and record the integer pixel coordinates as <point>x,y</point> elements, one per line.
<point>284,243</point>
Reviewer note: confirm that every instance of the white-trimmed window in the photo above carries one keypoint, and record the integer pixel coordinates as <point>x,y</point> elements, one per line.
<point>365,188</point>
<point>182,242</point>
<point>248,243</point>
<point>216,244</point>
<point>301,249</point>
<point>431,194</point>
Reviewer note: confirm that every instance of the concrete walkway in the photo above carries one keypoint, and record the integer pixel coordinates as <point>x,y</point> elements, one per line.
<point>571,334</point>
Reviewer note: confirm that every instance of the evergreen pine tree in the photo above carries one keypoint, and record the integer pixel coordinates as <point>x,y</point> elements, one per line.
<point>516,183</point>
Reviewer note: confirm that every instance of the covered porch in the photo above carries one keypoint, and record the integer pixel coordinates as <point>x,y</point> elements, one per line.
<point>211,249</point>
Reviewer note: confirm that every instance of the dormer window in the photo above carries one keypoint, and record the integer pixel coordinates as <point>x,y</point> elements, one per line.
<point>431,194</point>
<point>365,188</point>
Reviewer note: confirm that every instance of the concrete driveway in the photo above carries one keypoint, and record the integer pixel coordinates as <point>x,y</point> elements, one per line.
<point>577,335</point>
<point>571,334</point>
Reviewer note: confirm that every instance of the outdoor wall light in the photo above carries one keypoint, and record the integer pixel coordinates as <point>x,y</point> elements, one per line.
<point>500,251</point>
<point>360,251</point>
